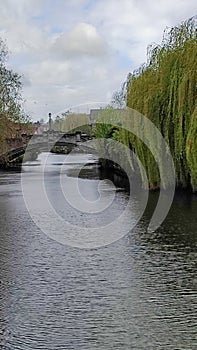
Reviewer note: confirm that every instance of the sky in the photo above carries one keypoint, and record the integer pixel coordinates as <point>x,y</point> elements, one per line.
<point>74,54</point>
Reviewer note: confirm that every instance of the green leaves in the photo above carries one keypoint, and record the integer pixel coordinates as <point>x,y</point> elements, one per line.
<point>10,87</point>
<point>73,122</point>
<point>164,90</point>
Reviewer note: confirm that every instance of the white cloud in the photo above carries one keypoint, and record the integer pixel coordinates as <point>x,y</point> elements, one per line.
<point>72,52</point>
<point>51,73</point>
<point>82,40</point>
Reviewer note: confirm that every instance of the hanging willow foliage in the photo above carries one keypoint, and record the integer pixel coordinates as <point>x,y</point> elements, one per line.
<point>165,91</point>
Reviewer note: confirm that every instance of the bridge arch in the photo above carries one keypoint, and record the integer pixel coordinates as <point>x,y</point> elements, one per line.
<point>45,142</point>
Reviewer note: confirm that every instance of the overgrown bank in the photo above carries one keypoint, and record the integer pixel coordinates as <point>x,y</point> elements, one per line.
<point>165,91</point>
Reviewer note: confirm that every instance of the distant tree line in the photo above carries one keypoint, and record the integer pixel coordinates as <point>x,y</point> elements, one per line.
<point>72,122</point>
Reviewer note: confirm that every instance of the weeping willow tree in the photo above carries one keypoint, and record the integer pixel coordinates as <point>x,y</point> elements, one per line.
<point>165,90</point>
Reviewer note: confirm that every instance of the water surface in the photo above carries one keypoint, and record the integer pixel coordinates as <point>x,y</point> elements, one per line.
<point>137,293</point>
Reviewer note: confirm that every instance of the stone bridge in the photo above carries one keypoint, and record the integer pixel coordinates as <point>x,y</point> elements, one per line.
<point>30,146</point>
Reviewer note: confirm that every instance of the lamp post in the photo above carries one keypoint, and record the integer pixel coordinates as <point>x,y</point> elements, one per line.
<point>50,123</point>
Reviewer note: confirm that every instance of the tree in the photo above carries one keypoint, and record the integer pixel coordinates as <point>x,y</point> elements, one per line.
<point>119,97</point>
<point>10,98</point>
<point>10,87</point>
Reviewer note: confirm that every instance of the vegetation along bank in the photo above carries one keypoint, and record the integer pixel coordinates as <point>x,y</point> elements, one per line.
<point>164,90</point>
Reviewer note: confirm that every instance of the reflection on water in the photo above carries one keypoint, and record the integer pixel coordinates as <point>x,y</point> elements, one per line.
<point>138,293</point>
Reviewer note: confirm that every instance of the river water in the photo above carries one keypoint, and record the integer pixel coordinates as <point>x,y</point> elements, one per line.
<point>136,293</point>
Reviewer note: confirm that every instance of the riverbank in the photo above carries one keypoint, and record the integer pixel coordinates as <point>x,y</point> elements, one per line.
<point>115,173</point>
